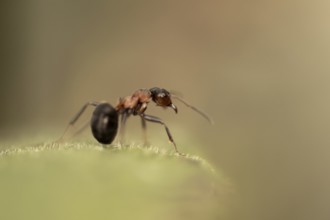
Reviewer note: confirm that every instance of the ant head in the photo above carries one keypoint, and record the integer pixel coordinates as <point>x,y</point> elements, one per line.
<point>162,98</point>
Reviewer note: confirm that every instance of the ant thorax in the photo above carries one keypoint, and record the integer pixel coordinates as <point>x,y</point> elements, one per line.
<point>136,103</point>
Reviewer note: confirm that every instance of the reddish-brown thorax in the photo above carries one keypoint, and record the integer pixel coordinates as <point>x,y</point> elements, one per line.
<point>137,102</point>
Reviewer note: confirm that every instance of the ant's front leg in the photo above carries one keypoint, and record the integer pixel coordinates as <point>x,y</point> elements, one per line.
<point>159,121</point>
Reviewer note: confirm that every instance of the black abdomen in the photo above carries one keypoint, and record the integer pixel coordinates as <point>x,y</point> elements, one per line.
<point>104,123</point>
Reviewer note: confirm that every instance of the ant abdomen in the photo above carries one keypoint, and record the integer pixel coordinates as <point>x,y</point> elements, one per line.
<point>104,123</point>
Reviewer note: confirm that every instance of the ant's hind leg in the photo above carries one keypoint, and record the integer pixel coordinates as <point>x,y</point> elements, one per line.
<point>159,121</point>
<point>123,120</point>
<point>76,117</point>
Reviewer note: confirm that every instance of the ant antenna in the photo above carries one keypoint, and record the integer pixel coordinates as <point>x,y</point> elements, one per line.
<point>194,108</point>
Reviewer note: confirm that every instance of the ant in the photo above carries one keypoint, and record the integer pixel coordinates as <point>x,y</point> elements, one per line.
<point>104,121</point>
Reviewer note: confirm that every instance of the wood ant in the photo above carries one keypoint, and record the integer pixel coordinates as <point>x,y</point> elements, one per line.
<point>104,121</point>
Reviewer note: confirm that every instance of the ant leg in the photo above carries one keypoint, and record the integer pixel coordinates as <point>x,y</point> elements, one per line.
<point>86,125</point>
<point>123,120</point>
<point>159,121</point>
<point>144,128</point>
<point>76,117</point>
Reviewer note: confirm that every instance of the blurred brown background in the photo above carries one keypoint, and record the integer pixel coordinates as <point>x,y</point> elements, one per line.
<point>260,68</point>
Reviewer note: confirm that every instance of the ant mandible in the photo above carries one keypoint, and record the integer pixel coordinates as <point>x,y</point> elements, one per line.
<point>104,121</point>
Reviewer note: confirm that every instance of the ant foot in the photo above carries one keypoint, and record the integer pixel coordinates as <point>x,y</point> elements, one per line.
<point>180,154</point>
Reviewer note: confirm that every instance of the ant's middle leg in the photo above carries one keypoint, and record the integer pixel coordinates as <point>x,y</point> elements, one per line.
<point>77,116</point>
<point>144,130</point>
<point>159,121</point>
